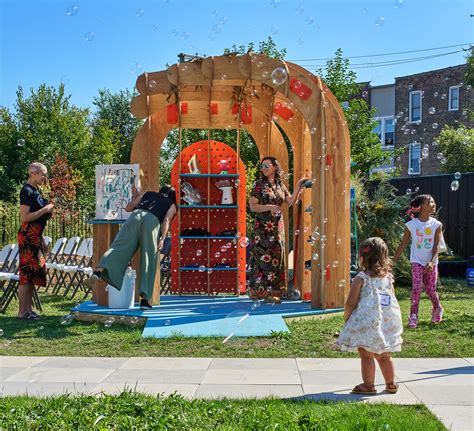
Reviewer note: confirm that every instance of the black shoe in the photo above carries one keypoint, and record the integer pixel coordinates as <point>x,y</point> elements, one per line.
<point>144,304</point>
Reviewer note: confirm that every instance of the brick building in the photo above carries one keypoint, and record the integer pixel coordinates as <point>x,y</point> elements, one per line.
<point>412,112</point>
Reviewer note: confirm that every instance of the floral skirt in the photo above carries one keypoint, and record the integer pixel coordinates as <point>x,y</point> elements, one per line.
<point>267,262</point>
<point>32,269</point>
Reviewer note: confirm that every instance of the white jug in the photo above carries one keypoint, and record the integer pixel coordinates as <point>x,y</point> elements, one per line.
<point>227,195</point>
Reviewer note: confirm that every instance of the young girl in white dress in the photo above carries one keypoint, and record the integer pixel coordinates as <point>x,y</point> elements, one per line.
<point>373,325</point>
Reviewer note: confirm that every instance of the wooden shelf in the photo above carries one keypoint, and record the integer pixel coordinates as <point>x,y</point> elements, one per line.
<point>207,237</point>
<point>208,206</point>
<point>187,268</point>
<point>210,175</point>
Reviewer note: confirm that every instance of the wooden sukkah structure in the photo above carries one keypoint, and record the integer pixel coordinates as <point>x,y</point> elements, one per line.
<point>254,92</point>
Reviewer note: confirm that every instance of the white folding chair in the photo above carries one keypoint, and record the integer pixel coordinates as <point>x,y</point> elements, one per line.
<point>64,258</point>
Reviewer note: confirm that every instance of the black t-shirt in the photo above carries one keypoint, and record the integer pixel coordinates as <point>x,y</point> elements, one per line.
<point>157,204</point>
<point>31,197</point>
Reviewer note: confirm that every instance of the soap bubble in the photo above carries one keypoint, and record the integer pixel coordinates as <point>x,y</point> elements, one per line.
<point>227,338</point>
<point>408,191</point>
<point>274,3</point>
<point>341,283</point>
<point>140,13</point>
<point>432,110</point>
<point>380,21</point>
<point>67,319</point>
<point>184,35</point>
<point>439,156</point>
<point>136,68</point>
<point>218,254</point>
<point>315,256</point>
<point>299,10</point>
<point>72,11</point>
<point>434,126</point>
<point>175,32</point>
<point>65,79</point>
<point>134,320</point>
<point>244,242</point>
<point>443,161</point>
<point>309,20</point>
<point>152,84</point>
<point>89,36</point>
<point>109,322</point>
<point>167,322</point>
<point>20,142</point>
<point>274,30</point>
<point>335,264</point>
<point>455,185</point>
<point>1,332</point>
<point>300,41</point>
<point>202,268</point>
<point>198,252</point>
<point>457,175</point>
<point>397,4</point>
<point>279,76</point>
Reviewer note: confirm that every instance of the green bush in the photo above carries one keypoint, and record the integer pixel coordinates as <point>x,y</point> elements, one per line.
<point>381,214</point>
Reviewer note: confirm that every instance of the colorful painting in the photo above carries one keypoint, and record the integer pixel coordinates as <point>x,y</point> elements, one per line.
<point>113,190</point>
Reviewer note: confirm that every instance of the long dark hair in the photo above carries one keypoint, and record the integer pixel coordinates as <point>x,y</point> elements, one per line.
<point>416,203</point>
<point>168,192</point>
<point>278,171</point>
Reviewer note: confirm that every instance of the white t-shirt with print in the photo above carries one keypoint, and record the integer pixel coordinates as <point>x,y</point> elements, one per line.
<point>422,239</point>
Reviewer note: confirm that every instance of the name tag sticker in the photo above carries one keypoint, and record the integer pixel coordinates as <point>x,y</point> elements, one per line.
<point>384,299</point>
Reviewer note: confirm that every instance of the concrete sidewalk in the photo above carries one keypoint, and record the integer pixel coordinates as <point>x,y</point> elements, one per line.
<point>444,385</point>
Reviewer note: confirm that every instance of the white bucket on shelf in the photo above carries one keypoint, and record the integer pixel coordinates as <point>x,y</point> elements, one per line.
<point>124,298</point>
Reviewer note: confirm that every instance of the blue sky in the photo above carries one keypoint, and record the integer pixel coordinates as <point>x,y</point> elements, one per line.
<point>40,42</point>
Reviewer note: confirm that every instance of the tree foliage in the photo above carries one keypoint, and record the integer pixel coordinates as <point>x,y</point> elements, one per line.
<point>457,145</point>
<point>366,151</point>
<point>41,126</point>
<point>113,111</point>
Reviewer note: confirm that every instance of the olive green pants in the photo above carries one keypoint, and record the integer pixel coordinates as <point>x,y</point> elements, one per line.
<point>140,230</point>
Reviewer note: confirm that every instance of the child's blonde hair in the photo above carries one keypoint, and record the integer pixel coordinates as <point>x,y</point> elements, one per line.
<point>374,254</point>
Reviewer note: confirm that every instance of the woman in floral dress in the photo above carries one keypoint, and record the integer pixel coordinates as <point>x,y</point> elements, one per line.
<point>267,245</point>
<point>35,211</point>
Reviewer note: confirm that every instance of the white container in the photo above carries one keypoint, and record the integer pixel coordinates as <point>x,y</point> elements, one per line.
<point>226,195</point>
<point>124,298</point>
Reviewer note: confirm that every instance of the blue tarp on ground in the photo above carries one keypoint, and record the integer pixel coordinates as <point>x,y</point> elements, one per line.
<point>215,316</point>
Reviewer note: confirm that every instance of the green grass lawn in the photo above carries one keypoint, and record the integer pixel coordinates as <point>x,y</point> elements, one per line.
<point>308,337</point>
<point>132,411</point>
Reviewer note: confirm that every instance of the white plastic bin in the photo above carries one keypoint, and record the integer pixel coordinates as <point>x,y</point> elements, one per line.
<point>124,298</point>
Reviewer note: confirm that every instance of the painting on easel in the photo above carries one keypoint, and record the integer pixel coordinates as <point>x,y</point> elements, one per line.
<point>113,190</point>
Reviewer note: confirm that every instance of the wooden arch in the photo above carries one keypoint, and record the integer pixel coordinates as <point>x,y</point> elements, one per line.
<point>201,94</point>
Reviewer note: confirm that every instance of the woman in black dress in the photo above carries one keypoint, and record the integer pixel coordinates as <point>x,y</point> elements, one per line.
<point>35,211</point>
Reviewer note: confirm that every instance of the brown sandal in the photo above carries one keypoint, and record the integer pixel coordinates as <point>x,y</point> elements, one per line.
<point>364,389</point>
<point>391,388</point>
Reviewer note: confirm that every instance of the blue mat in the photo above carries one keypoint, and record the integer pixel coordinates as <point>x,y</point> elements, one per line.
<point>216,316</point>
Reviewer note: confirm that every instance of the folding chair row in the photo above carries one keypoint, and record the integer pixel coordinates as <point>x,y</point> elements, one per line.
<point>71,275</point>
<point>63,255</point>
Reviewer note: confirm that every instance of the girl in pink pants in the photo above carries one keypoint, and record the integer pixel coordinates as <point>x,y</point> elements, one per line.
<point>425,233</point>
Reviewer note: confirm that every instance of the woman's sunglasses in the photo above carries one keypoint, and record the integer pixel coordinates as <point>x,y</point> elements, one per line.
<point>264,166</point>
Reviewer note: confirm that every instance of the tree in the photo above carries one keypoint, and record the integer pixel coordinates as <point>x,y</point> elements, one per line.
<point>457,145</point>
<point>366,150</point>
<point>113,111</point>
<point>267,47</point>
<point>43,125</point>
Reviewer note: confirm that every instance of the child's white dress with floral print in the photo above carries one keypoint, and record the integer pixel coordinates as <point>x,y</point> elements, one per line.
<point>376,323</point>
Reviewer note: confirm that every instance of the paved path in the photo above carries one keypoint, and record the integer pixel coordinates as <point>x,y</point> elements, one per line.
<point>444,385</point>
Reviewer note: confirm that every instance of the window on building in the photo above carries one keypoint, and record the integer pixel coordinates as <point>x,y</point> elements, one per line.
<point>415,106</point>
<point>453,101</point>
<point>414,159</point>
<point>385,130</point>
